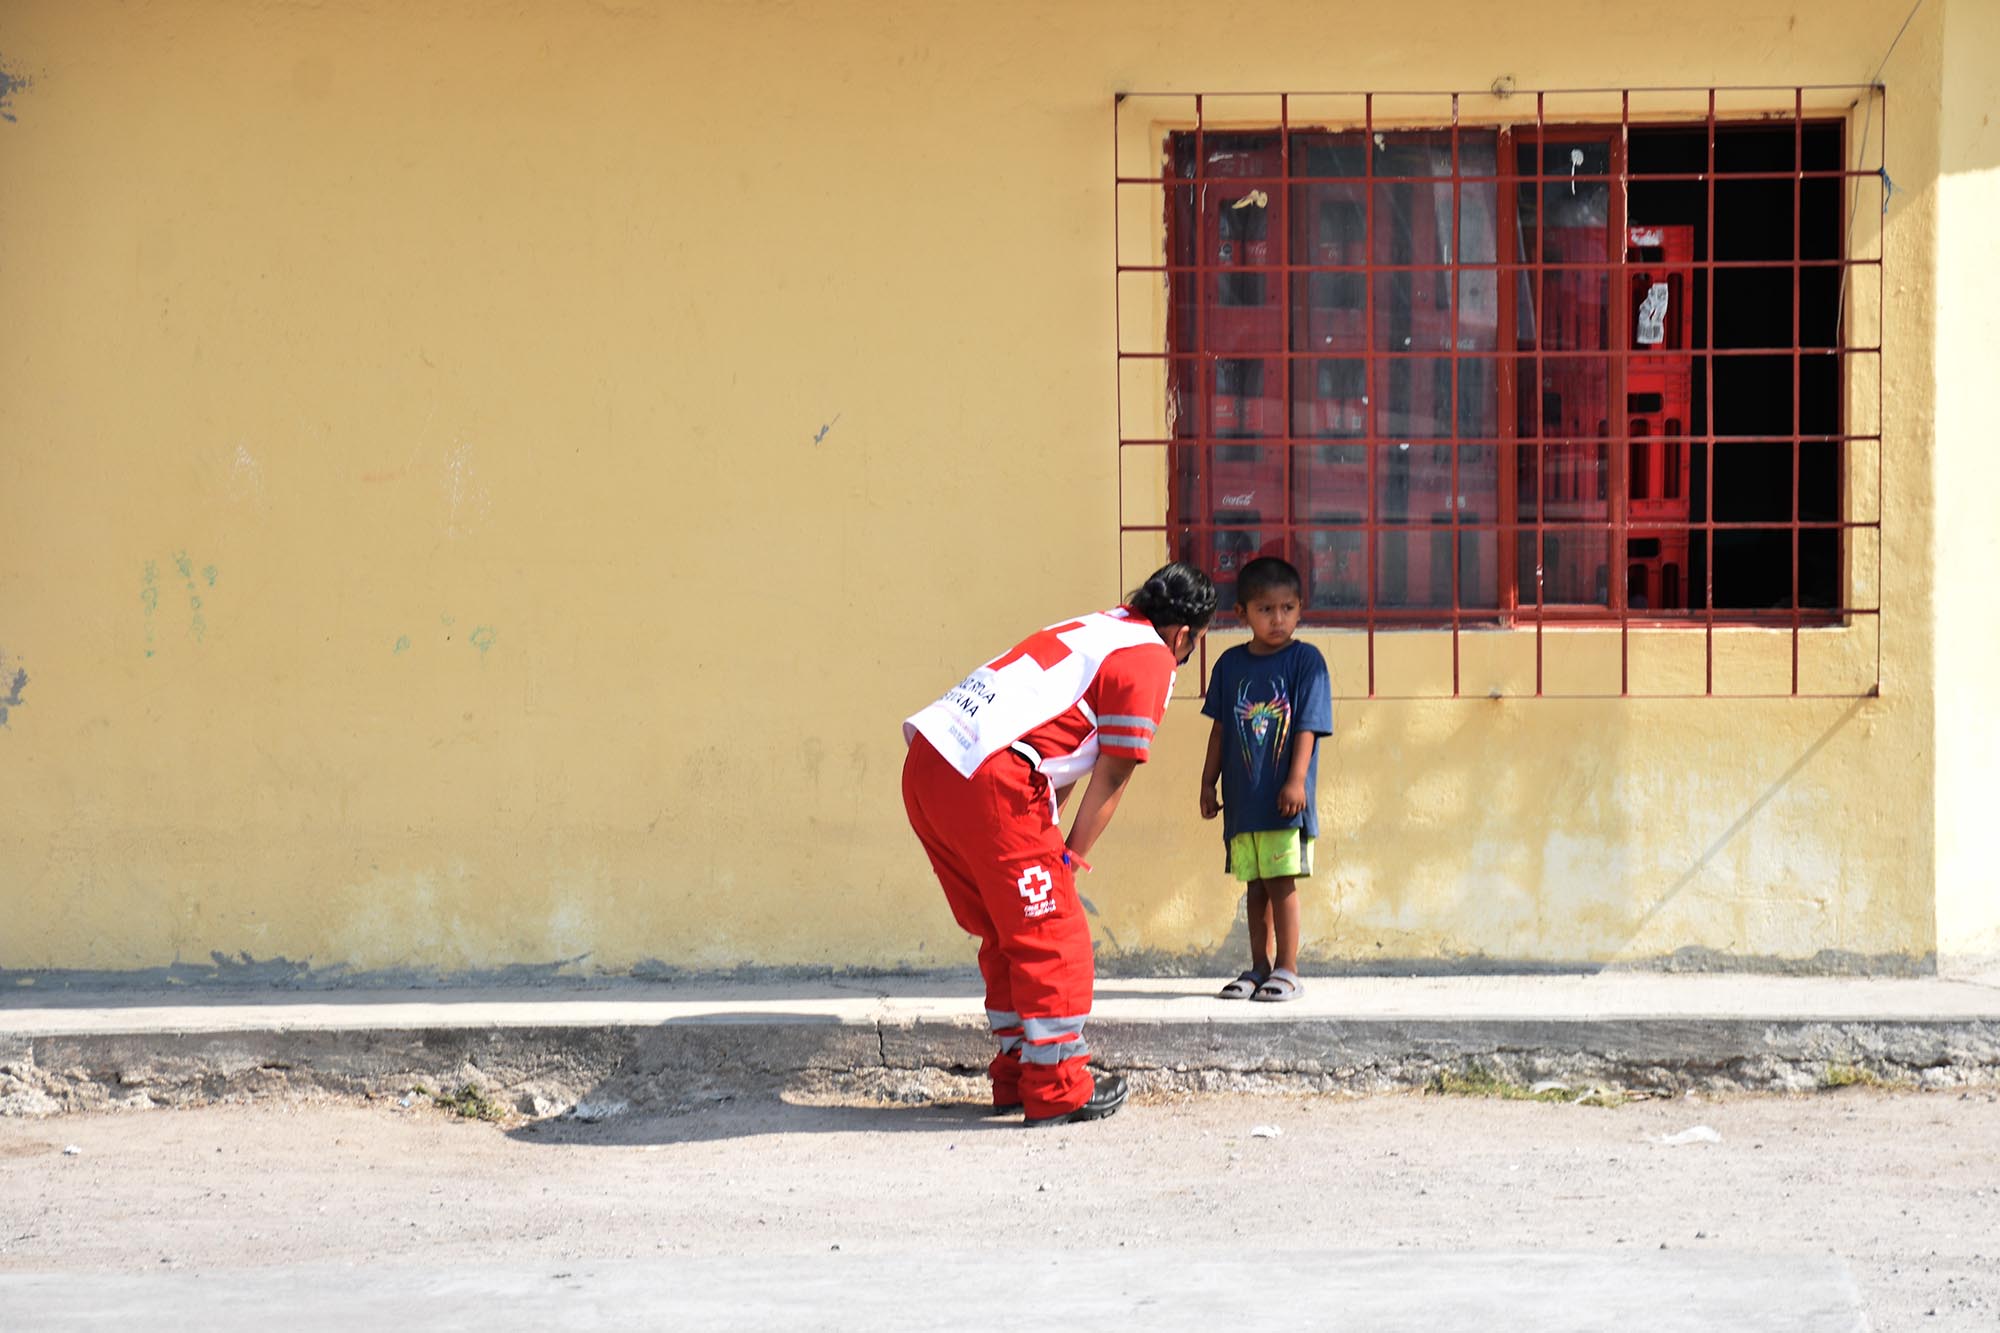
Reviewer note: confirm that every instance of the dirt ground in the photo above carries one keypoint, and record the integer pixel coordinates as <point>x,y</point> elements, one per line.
<point>1905,1187</point>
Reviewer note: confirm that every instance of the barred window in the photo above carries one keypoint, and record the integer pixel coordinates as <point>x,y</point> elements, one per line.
<point>1511,373</point>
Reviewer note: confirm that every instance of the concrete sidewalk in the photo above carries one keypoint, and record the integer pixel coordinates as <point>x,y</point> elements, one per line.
<point>1387,1291</point>
<point>641,1045</point>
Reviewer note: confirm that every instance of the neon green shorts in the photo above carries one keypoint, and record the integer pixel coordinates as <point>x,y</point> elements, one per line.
<point>1283,853</point>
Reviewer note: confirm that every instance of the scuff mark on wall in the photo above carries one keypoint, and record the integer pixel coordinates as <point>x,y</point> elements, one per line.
<point>246,475</point>
<point>482,637</point>
<point>149,597</point>
<point>197,625</point>
<point>15,684</point>
<point>250,972</point>
<point>194,581</point>
<point>11,83</point>
<point>197,622</point>
<point>466,500</point>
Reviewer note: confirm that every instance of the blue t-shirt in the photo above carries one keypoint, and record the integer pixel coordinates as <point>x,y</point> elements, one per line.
<point>1264,703</point>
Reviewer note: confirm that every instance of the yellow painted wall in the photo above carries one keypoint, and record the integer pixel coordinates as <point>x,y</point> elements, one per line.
<point>1968,472</point>
<point>587,428</point>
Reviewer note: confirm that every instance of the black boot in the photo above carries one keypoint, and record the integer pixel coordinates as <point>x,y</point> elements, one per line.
<point>1105,1099</point>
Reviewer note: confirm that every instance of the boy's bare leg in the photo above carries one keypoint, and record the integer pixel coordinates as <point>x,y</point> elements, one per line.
<point>1260,927</point>
<point>1283,899</point>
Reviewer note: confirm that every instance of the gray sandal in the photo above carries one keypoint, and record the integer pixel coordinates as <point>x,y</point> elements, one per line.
<point>1242,988</point>
<point>1283,984</point>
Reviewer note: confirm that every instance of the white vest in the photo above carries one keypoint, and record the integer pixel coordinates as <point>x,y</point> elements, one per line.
<point>1042,679</point>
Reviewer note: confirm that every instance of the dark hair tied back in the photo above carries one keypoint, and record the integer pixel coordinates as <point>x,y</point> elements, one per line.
<point>1176,594</point>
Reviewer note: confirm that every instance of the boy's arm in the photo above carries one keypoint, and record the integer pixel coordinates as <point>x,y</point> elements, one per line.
<point>1211,772</point>
<point>1108,779</point>
<point>1292,796</point>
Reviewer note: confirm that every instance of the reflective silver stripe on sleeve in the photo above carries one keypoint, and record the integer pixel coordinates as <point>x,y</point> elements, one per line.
<point>1145,724</point>
<point>1055,1052</point>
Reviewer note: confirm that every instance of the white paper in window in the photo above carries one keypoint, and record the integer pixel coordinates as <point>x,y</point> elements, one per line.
<point>1653,316</point>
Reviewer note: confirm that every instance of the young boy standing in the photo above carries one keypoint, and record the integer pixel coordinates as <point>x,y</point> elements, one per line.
<point>1271,701</point>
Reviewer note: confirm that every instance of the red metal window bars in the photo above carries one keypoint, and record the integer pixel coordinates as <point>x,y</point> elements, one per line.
<point>1546,383</point>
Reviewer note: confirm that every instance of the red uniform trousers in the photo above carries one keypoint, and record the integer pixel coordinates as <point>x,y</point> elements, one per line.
<point>998,852</point>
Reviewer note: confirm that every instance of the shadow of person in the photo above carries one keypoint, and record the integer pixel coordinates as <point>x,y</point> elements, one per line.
<point>753,1115</point>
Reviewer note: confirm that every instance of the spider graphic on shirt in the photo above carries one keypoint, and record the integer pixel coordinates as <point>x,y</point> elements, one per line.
<point>1265,722</point>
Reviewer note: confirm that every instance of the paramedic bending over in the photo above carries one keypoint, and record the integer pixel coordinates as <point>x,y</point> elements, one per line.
<point>989,767</point>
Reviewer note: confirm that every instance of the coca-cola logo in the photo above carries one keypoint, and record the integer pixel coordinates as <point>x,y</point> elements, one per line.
<point>1243,501</point>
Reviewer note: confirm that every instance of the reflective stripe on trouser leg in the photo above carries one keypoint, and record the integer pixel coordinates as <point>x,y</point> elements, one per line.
<point>1050,1041</point>
<point>1005,1068</point>
<point>1007,1028</point>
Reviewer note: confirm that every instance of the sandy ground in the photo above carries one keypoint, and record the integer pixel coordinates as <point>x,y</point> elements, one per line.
<point>1904,1187</point>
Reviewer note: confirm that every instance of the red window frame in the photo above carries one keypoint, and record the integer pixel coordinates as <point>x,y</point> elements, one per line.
<point>1509,527</point>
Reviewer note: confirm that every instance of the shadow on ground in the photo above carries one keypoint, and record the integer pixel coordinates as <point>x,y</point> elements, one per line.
<point>754,1115</point>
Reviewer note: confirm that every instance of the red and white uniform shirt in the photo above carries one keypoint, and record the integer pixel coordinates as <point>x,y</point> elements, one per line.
<point>1095,685</point>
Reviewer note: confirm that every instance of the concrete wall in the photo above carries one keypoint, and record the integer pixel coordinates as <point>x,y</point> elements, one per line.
<point>1968,530</point>
<point>482,482</point>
